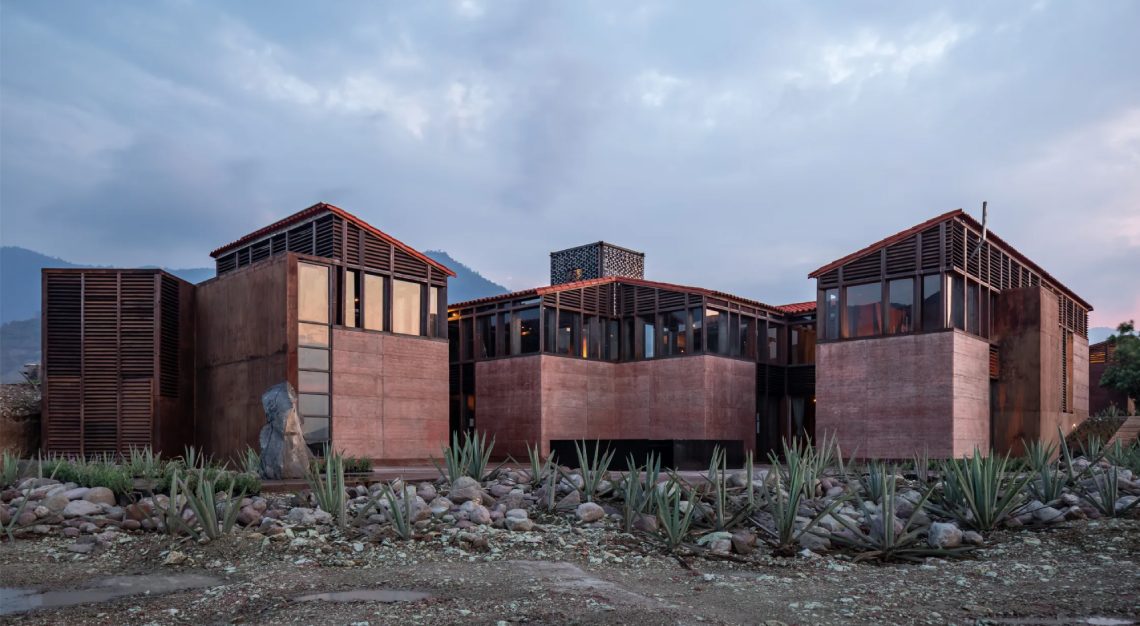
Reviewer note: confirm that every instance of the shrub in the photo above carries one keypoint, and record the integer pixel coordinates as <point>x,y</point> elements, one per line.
<point>402,512</point>
<point>98,473</point>
<point>784,507</point>
<point>636,492</point>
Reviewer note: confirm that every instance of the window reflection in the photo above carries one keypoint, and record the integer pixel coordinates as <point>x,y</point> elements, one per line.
<point>434,300</point>
<point>773,342</point>
<point>373,302</point>
<point>673,327</point>
<point>717,337</point>
<point>528,330</point>
<point>932,302</point>
<point>747,337</point>
<point>313,293</point>
<point>698,328</point>
<point>972,303</point>
<point>567,340</point>
<point>487,336</point>
<point>611,340</point>
<point>831,313</point>
<point>957,301</point>
<point>351,302</point>
<point>864,310</point>
<point>649,335</point>
<point>901,312</point>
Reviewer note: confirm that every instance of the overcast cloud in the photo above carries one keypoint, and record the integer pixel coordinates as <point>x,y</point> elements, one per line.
<point>740,145</point>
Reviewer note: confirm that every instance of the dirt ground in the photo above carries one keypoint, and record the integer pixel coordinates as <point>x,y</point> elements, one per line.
<point>570,575</point>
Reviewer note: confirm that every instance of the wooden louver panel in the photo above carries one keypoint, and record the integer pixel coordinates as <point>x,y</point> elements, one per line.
<point>100,363</point>
<point>136,325</point>
<point>279,242</point>
<point>670,299</point>
<point>956,245</point>
<point>261,250</point>
<point>376,253</point>
<point>352,245</point>
<point>571,298</point>
<point>65,421</point>
<point>300,239</point>
<point>932,248</point>
<point>901,256</point>
<point>628,294</point>
<point>995,362</point>
<point>646,299</point>
<point>326,238</point>
<point>171,324</point>
<point>226,263</point>
<point>409,265</point>
<point>590,298</point>
<point>864,268</point>
<point>830,279</point>
<point>135,422</point>
<point>64,334</point>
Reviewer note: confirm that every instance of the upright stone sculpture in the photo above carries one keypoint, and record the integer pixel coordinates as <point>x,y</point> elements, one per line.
<point>283,450</point>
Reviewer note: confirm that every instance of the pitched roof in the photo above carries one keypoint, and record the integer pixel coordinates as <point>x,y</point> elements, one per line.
<point>541,291</point>
<point>317,209</point>
<point>966,217</point>
<point>797,307</point>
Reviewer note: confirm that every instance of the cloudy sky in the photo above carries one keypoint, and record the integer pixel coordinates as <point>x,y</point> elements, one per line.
<point>739,144</point>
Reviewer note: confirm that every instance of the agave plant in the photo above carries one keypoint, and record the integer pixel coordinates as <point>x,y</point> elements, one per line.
<point>469,458</point>
<point>921,466</point>
<point>328,487</point>
<point>402,511</point>
<point>202,500</point>
<point>980,492</point>
<point>1048,483</point>
<point>874,482</point>
<point>9,469</point>
<point>717,492</point>
<point>637,492</point>
<point>674,518</point>
<point>783,504</point>
<point>144,463</point>
<point>1105,492</point>
<point>10,527</point>
<point>883,541</point>
<point>593,469</point>
<point>251,461</point>
<point>539,467</point>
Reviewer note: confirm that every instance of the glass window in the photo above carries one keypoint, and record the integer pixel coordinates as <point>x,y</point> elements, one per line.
<point>488,330</point>
<point>313,293</point>
<point>433,311</point>
<point>373,302</point>
<point>612,340</point>
<point>312,358</point>
<point>567,342</point>
<point>972,304</point>
<point>864,314</point>
<point>316,382</point>
<point>985,313</point>
<point>351,298</point>
<point>734,334</point>
<point>747,337</point>
<point>698,323</point>
<point>957,302</point>
<point>314,404</point>
<point>717,338</point>
<point>803,345</point>
<point>316,429</point>
<point>406,299</point>
<point>313,335</point>
<point>673,326</point>
<point>773,339</point>
<point>467,338</point>
<point>527,320</point>
<point>551,330</point>
<point>628,344</point>
<point>595,337</point>
<point>932,302</point>
<point>510,335</point>
<point>648,334</point>
<point>453,340</point>
<point>900,314</point>
<point>831,313</point>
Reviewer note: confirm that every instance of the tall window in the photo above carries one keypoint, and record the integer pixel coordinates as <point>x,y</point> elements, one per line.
<point>510,335</point>
<point>957,302</point>
<point>453,340</point>
<point>406,307</point>
<point>698,328</point>
<point>648,335</point>
<point>591,337</point>
<point>567,330</point>
<point>900,313</point>
<point>467,338</point>
<point>351,299</point>
<point>802,345</point>
<point>528,330</point>
<point>488,336</point>
<point>863,317</point>
<point>748,337</point>
<point>612,340</point>
<point>629,350</point>
<point>673,326</point>
<point>972,304</point>
<point>313,352</point>
<point>715,332</point>
<point>773,343</point>
<point>932,318</point>
<point>373,302</point>
<point>433,315</point>
<point>734,334</point>
<point>831,313</point>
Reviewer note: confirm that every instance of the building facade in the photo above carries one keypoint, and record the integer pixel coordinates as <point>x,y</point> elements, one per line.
<point>936,339</point>
<point>1102,399</point>
<point>637,364</point>
<point>351,317</point>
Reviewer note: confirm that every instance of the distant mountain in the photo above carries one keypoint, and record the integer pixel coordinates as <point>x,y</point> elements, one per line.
<point>20,280</point>
<point>19,344</point>
<point>467,284</point>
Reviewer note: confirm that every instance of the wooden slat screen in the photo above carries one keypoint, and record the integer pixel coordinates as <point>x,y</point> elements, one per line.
<point>377,253</point>
<point>171,325</point>
<point>901,256</point>
<point>867,267</point>
<point>995,362</point>
<point>670,299</point>
<point>409,265</point>
<point>100,363</point>
<point>327,234</point>
<point>932,248</point>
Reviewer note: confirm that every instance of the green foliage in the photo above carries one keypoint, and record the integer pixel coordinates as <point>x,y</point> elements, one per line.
<point>674,518</point>
<point>10,527</point>
<point>328,487</point>
<point>637,490</point>
<point>467,459</point>
<point>201,498</point>
<point>980,492</point>
<point>1122,455</point>
<point>783,503</point>
<point>539,467</point>
<point>1048,482</point>
<point>144,463</point>
<point>922,468</point>
<point>1123,371</point>
<point>101,472</point>
<point>401,511</point>
<point>716,491</point>
<point>874,482</point>
<point>1105,491</point>
<point>352,464</point>
<point>593,469</point>
<point>251,461</point>
<point>9,469</point>
<point>883,542</point>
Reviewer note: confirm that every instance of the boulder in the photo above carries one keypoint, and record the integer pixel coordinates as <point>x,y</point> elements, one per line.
<point>814,542</point>
<point>1048,514</point>
<point>249,516</point>
<point>284,453</point>
<point>517,514</point>
<point>465,489</point>
<point>743,541</point>
<point>972,538</point>
<point>56,503</point>
<point>944,535</point>
<point>476,513</point>
<point>81,508</point>
<point>645,523</point>
<point>518,524</point>
<point>100,495</point>
<point>589,512</point>
<point>76,493</point>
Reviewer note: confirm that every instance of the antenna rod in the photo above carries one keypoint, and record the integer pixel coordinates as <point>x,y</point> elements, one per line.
<point>985,229</point>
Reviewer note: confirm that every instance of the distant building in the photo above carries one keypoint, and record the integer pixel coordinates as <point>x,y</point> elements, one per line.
<point>350,316</point>
<point>935,340</point>
<point>1103,398</point>
<point>638,364</point>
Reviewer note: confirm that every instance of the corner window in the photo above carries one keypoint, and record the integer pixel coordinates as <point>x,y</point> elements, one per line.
<point>863,315</point>
<point>648,334</point>
<point>715,331</point>
<point>831,313</point>
<point>351,303</point>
